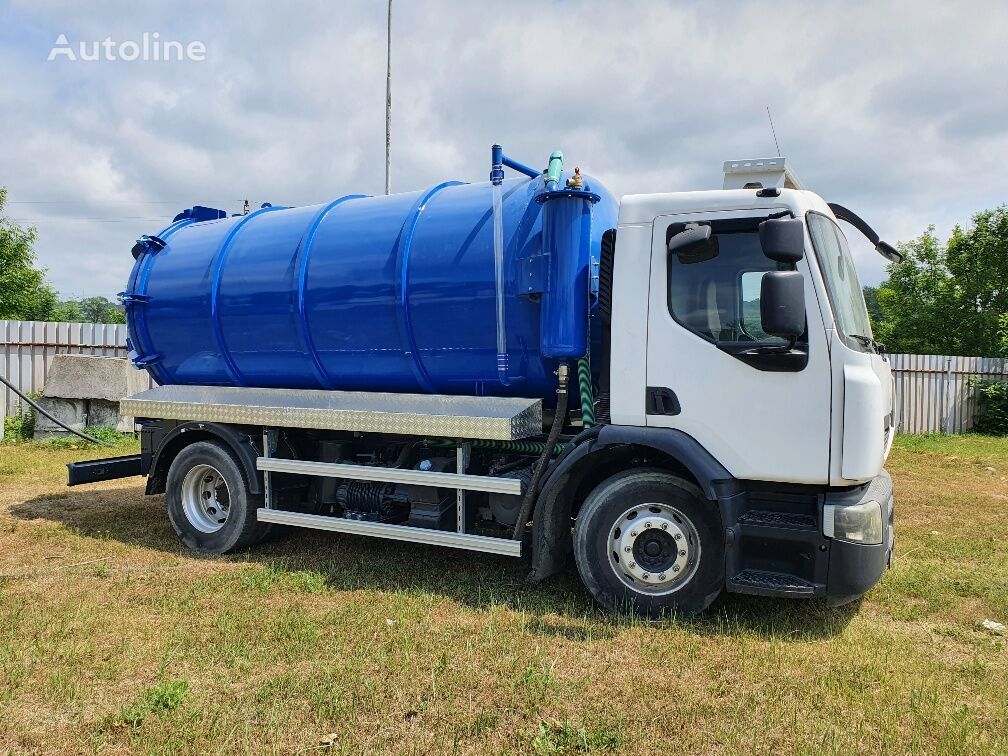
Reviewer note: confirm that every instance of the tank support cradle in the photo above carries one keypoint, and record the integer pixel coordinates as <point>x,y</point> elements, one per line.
<point>460,481</point>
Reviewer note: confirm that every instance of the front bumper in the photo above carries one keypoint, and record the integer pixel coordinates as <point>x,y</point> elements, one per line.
<point>855,567</point>
<point>776,546</point>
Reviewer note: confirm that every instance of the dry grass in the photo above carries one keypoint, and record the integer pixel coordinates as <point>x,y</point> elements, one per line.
<point>114,640</point>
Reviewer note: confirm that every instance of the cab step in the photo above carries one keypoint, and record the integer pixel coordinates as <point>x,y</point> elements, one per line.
<point>757,518</point>
<point>766,583</point>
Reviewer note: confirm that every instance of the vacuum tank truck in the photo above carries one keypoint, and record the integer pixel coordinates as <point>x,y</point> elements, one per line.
<point>679,390</point>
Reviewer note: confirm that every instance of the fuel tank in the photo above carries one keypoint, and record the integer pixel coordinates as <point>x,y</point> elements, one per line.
<point>392,293</point>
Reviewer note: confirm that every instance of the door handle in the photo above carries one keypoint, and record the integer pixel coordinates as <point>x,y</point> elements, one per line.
<point>662,401</point>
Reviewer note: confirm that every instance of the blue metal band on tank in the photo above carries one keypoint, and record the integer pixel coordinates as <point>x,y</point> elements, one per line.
<point>302,308</point>
<point>139,330</point>
<point>218,266</point>
<point>405,322</point>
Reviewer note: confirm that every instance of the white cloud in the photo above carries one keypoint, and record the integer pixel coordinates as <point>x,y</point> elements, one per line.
<point>897,110</point>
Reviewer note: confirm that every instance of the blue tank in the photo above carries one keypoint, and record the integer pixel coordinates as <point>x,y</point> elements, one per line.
<point>392,293</point>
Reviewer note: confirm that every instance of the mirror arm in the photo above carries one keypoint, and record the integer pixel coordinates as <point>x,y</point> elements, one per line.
<point>845,214</point>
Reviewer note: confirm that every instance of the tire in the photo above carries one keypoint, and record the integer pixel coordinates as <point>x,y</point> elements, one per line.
<point>644,569</point>
<point>209,504</point>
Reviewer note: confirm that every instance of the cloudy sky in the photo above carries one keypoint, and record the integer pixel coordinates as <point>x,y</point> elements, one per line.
<point>897,110</point>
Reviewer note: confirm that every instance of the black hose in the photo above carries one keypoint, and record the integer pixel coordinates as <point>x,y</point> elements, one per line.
<point>60,423</point>
<point>559,418</point>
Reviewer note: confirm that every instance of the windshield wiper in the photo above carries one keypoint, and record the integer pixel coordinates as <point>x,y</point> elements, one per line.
<point>869,342</point>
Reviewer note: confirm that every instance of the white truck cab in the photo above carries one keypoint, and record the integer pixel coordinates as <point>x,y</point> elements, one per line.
<point>823,418</point>
<point>807,414</point>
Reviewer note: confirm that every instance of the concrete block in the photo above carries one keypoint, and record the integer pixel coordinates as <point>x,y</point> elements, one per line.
<point>79,376</point>
<point>101,412</point>
<point>84,392</point>
<point>73,412</point>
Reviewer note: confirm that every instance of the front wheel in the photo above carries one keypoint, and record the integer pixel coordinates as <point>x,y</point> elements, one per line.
<point>650,542</point>
<point>209,504</point>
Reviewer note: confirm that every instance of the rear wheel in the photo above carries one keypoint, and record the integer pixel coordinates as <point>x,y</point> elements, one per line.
<point>209,504</point>
<point>650,542</point>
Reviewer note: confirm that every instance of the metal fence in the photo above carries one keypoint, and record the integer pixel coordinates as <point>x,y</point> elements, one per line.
<point>937,393</point>
<point>934,393</point>
<point>27,349</point>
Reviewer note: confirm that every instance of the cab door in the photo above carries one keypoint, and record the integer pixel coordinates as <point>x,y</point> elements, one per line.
<point>757,404</point>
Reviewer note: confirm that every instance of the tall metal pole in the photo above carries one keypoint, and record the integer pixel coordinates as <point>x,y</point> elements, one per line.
<point>388,105</point>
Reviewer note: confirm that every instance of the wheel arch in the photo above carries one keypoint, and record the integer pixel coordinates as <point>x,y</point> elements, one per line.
<point>238,439</point>
<point>599,456</point>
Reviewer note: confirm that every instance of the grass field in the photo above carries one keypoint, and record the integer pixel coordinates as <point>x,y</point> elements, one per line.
<point>114,640</point>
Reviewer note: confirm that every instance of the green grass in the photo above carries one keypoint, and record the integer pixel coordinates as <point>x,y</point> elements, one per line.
<point>113,639</point>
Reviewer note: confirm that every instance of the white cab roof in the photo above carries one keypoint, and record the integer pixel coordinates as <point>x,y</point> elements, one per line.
<point>644,208</point>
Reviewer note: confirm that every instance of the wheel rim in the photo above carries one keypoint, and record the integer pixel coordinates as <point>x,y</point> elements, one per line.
<point>654,548</point>
<point>206,499</point>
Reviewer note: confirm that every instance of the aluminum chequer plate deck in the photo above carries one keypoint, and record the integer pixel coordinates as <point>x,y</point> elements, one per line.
<point>478,417</point>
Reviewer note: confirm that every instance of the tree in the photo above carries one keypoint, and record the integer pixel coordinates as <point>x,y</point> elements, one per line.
<point>99,310</point>
<point>875,314</point>
<point>949,298</point>
<point>24,292</point>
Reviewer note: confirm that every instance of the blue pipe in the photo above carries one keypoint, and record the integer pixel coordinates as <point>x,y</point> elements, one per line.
<point>499,160</point>
<point>521,167</point>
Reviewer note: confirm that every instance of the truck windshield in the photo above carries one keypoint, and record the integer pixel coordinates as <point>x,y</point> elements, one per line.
<point>842,283</point>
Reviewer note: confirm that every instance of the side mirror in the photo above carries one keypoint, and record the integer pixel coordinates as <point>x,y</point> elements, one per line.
<point>783,239</point>
<point>889,252</point>
<point>782,303</point>
<point>694,245</point>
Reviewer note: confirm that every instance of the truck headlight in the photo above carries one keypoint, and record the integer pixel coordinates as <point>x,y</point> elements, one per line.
<point>860,523</point>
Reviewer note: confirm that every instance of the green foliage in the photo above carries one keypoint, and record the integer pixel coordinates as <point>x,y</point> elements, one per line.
<point>20,426</point>
<point>24,293</point>
<point>165,697</point>
<point>875,314</point>
<point>103,433</point>
<point>992,409</point>
<point>566,738</point>
<point>87,310</point>
<point>949,298</point>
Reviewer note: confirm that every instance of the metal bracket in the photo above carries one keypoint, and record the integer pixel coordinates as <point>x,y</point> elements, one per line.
<point>132,299</point>
<point>463,452</point>
<point>532,274</point>
<point>142,362</point>
<point>147,244</point>
<point>269,449</point>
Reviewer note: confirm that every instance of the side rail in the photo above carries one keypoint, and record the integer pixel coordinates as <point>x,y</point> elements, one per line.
<point>460,481</point>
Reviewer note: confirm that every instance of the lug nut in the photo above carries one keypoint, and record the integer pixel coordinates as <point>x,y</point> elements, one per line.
<point>682,552</point>
<point>675,568</point>
<point>647,524</point>
<point>662,576</point>
<point>632,565</point>
<point>664,526</point>
<point>633,533</point>
<point>678,536</point>
<point>627,549</point>
<point>645,576</point>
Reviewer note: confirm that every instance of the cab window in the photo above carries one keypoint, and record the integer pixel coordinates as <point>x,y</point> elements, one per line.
<point>718,297</point>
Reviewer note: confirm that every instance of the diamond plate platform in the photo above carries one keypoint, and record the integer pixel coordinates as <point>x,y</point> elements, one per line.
<point>482,417</point>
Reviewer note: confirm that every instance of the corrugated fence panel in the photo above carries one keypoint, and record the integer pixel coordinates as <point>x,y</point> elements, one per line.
<point>937,393</point>
<point>934,393</point>
<point>27,349</point>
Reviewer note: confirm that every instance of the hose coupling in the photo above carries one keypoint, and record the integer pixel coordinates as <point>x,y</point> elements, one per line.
<point>562,373</point>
